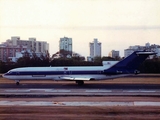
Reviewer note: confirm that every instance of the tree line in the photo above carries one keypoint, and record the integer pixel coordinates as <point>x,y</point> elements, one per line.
<point>148,66</point>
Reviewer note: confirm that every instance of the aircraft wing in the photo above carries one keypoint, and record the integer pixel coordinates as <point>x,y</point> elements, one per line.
<point>75,78</point>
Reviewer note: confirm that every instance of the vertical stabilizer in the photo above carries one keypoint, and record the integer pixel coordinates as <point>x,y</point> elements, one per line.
<point>129,64</point>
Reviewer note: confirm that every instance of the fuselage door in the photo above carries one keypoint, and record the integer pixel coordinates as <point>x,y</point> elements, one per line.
<point>70,72</point>
<point>17,73</point>
<point>65,71</point>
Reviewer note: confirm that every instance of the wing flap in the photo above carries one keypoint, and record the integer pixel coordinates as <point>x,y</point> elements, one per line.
<point>75,78</point>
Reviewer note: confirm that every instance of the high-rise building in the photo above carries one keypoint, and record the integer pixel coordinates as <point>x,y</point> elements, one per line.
<point>95,48</point>
<point>65,46</point>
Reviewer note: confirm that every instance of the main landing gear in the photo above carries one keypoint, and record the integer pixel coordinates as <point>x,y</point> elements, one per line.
<point>80,82</point>
<point>17,82</point>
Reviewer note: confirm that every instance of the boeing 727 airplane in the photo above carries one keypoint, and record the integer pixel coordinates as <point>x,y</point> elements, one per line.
<point>126,67</point>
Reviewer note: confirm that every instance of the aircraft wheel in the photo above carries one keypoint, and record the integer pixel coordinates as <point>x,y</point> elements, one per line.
<point>80,82</point>
<point>17,83</point>
<point>136,72</point>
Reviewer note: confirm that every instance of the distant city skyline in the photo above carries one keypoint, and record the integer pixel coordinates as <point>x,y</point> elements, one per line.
<point>118,24</point>
<point>14,48</point>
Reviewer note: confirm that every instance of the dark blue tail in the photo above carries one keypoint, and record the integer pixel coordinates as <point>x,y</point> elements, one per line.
<point>129,64</point>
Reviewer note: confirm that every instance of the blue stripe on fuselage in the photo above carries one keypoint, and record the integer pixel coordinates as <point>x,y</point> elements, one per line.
<point>53,72</point>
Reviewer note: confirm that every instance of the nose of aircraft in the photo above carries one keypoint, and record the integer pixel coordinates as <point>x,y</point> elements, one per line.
<point>3,75</point>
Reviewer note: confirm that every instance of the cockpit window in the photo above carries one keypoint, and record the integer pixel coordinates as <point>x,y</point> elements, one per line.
<point>9,72</point>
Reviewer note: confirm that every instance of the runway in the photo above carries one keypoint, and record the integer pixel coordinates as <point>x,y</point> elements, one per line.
<point>145,85</point>
<point>72,85</point>
<point>124,98</point>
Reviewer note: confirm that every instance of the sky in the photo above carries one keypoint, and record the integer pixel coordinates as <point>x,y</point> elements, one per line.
<point>117,24</point>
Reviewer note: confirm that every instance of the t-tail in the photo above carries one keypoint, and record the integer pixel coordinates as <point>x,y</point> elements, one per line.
<point>130,64</point>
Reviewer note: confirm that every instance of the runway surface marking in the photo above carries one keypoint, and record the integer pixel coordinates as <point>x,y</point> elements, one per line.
<point>139,90</point>
<point>45,103</point>
<point>79,92</point>
<point>95,90</point>
<point>74,90</point>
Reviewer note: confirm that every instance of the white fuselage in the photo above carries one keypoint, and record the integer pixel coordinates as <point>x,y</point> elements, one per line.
<point>61,73</point>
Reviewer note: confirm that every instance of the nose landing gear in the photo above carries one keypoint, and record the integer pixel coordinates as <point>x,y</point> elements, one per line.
<point>17,82</point>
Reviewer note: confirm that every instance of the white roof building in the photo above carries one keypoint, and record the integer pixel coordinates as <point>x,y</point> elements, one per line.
<point>114,54</point>
<point>147,47</point>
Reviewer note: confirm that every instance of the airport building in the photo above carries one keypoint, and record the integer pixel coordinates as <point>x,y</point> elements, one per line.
<point>95,48</point>
<point>114,54</point>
